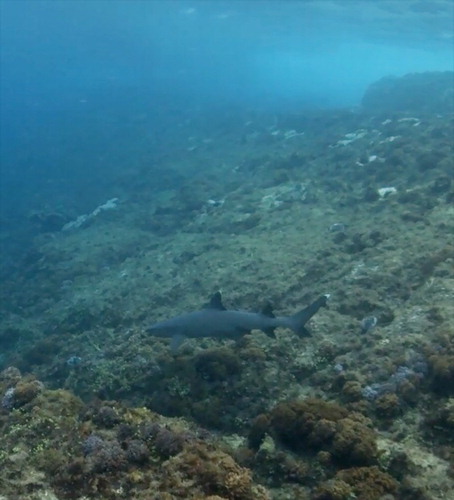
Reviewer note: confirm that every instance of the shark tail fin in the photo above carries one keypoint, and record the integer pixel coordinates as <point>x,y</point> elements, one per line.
<point>298,321</point>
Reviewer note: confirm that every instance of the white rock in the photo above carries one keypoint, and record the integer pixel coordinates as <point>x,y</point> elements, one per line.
<point>384,192</point>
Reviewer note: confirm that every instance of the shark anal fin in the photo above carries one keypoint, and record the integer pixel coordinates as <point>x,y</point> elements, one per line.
<point>215,302</point>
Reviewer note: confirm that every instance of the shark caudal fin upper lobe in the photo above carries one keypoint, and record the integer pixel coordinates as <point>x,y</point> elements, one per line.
<point>297,321</point>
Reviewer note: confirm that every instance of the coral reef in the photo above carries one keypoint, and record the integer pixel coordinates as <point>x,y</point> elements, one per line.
<point>271,207</point>
<point>108,451</point>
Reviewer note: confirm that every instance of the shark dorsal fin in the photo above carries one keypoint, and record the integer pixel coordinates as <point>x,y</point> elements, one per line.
<point>215,302</point>
<point>267,310</point>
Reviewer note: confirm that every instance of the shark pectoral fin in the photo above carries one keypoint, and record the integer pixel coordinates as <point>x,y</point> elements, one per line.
<point>270,332</point>
<point>176,342</point>
<point>238,333</point>
<point>304,332</point>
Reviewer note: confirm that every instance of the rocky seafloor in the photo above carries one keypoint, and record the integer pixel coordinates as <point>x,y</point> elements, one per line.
<point>358,204</point>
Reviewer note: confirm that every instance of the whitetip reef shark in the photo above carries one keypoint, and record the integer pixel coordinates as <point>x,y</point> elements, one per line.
<point>214,320</point>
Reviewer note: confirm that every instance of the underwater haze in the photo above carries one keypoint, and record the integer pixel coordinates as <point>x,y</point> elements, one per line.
<point>76,76</point>
<point>226,250</point>
<point>313,53</point>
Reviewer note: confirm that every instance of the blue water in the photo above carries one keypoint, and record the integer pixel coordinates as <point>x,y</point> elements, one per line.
<point>84,83</point>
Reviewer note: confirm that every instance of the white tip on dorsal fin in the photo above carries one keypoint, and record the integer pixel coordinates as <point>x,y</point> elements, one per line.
<point>215,302</point>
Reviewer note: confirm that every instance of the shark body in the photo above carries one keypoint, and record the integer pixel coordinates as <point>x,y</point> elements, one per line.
<point>214,320</point>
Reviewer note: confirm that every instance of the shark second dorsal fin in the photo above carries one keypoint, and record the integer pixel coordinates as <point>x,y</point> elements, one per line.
<point>215,302</point>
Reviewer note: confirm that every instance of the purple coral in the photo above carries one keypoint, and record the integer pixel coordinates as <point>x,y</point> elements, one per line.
<point>395,381</point>
<point>370,392</point>
<point>169,443</point>
<point>106,417</point>
<point>91,444</point>
<point>107,456</point>
<point>166,442</point>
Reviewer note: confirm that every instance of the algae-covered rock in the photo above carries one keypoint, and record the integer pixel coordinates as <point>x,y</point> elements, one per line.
<point>54,445</point>
<point>442,366</point>
<point>213,473</point>
<point>369,483</point>
<point>333,490</point>
<point>354,443</point>
<point>217,364</point>
<point>314,425</point>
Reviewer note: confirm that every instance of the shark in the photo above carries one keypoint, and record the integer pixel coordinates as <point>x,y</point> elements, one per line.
<point>214,320</point>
